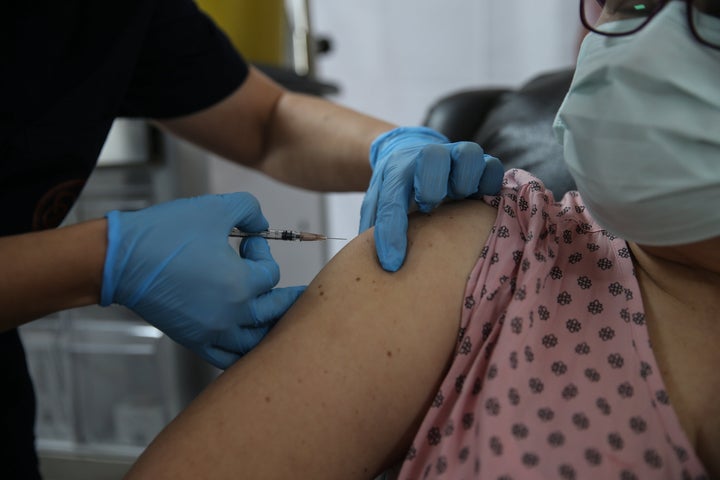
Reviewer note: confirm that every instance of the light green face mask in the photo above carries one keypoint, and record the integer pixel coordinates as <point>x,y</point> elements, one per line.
<point>640,127</point>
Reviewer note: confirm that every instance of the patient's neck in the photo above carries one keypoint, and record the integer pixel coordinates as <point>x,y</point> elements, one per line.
<point>687,272</point>
<point>681,296</point>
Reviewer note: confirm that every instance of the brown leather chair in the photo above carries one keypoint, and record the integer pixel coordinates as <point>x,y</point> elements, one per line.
<point>514,125</point>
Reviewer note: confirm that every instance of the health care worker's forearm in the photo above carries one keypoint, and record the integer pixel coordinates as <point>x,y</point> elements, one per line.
<point>320,145</point>
<point>298,139</point>
<point>49,271</point>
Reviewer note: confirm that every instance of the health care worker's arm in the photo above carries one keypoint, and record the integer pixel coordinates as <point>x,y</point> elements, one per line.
<point>297,139</point>
<point>52,270</point>
<point>339,387</point>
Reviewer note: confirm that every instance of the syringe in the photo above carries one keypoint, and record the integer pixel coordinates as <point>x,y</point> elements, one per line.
<point>281,234</point>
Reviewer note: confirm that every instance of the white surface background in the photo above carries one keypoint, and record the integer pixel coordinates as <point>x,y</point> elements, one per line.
<point>394,58</point>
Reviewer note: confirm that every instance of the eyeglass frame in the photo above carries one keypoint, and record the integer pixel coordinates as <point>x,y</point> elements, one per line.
<point>690,22</point>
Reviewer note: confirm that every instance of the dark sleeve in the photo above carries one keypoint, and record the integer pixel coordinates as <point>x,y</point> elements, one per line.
<point>186,64</point>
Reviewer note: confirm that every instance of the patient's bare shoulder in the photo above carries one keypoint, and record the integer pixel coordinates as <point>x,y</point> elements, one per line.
<point>442,249</point>
<point>339,387</point>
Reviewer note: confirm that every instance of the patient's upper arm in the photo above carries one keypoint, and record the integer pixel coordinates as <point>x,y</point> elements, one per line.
<point>339,387</point>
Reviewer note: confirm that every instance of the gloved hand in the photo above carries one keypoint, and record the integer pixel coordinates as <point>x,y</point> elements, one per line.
<point>421,164</point>
<point>172,265</point>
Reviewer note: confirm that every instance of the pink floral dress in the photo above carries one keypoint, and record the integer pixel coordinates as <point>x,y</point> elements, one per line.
<point>553,376</point>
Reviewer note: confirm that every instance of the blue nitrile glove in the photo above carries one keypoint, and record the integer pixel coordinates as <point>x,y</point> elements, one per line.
<point>421,164</point>
<point>172,265</point>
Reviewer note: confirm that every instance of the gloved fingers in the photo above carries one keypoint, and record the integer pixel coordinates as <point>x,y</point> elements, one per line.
<point>245,212</point>
<point>221,358</point>
<point>391,241</point>
<point>467,168</point>
<point>391,222</point>
<point>234,343</point>
<point>268,308</point>
<point>368,209</point>
<point>432,170</point>
<point>492,177</point>
<point>264,272</point>
<point>256,318</point>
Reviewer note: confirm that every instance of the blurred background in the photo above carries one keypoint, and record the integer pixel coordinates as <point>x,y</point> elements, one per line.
<point>106,388</point>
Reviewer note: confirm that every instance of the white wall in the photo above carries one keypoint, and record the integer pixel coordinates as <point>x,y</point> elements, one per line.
<point>393,58</point>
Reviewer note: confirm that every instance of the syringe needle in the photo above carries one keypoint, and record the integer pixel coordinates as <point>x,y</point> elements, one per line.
<point>283,234</point>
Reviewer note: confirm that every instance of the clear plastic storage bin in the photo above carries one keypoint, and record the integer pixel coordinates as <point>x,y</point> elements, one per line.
<point>121,381</point>
<point>105,381</point>
<point>45,341</point>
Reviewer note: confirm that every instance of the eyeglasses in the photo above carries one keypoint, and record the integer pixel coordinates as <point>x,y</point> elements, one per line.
<point>625,17</point>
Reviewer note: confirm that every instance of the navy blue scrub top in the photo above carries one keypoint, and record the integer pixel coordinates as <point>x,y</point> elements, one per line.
<point>67,69</point>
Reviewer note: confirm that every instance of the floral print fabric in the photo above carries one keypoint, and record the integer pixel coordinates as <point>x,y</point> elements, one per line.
<point>553,376</point>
